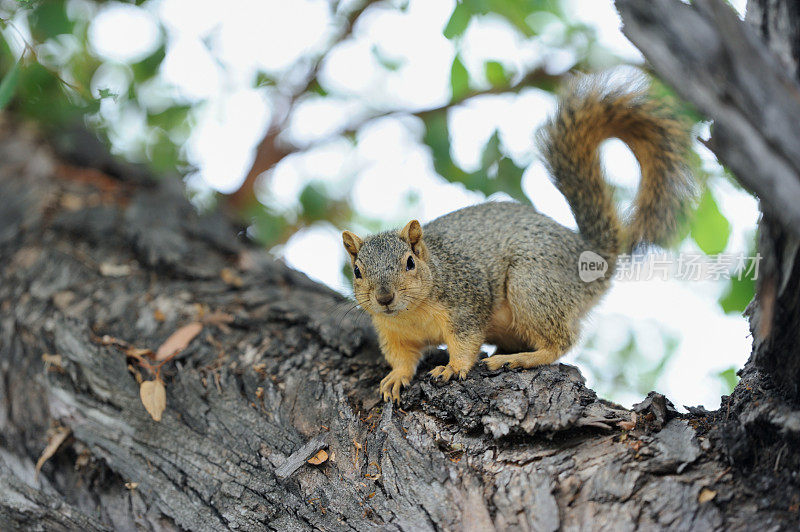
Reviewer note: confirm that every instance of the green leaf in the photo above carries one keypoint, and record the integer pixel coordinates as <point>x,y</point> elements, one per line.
<point>729,378</point>
<point>458,22</point>
<point>437,136</point>
<point>741,287</point>
<point>41,97</point>
<point>314,201</point>
<point>516,13</point>
<point>663,93</point>
<point>738,295</point>
<point>491,152</point>
<point>9,84</point>
<point>264,80</point>
<point>316,88</point>
<point>106,93</point>
<point>498,173</point>
<point>170,117</point>
<point>459,79</point>
<point>48,19</point>
<point>164,155</point>
<point>347,271</point>
<point>496,74</point>
<point>148,67</point>
<point>269,228</point>
<point>710,229</point>
<point>509,179</point>
<point>742,284</point>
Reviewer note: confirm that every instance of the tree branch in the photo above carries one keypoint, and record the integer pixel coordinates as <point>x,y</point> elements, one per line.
<point>538,77</point>
<point>268,153</point>
<point>25,508</point>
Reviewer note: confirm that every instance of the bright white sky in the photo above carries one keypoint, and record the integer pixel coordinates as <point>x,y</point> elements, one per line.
<point>389,162</point>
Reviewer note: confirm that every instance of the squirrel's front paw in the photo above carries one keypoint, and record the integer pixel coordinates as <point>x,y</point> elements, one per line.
<point>393,383</point>
<point>445,373</point>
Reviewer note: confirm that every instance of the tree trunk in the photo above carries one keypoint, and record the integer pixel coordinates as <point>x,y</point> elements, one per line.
<point>101,264</point>
<point>745,77</point>
<point>776,316</point>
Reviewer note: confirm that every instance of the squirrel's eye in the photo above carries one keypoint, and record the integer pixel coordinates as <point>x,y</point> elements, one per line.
<point>410,263</point>
<point>356,272</point>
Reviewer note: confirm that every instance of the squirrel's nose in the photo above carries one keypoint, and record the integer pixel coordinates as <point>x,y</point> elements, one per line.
<point>384,298</point>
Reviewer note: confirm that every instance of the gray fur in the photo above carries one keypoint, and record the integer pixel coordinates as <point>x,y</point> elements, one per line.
<point>474,250</point>
<point>503,273</point>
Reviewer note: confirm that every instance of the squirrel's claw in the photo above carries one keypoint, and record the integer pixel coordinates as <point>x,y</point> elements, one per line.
<point>392,384</point>
<point>445,373</point>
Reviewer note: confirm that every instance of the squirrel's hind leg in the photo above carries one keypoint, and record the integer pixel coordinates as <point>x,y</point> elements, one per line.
<point>526,360</point>
<point>544,316</point>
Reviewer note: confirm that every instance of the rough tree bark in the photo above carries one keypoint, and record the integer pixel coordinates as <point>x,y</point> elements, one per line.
<point>98,261</point>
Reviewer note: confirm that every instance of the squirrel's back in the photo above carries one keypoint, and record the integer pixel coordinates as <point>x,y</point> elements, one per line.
<point>590,111</point>
<point>491,229</point>
<point>493,235</point>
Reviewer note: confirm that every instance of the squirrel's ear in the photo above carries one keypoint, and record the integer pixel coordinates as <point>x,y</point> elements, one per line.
<point>351,243</point>
<point>412,233</point>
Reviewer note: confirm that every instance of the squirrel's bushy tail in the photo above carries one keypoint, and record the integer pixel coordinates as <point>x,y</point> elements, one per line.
<point>592,110</point>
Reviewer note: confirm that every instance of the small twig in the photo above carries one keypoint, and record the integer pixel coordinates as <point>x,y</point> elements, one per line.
<point>778,458</point>
<point>299,457</point>
<point>31,49</point>
<point>722,474</point>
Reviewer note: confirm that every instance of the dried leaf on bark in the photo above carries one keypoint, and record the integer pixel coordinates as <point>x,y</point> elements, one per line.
<point>108,269</point>
<point>218,318</point>
<point>179,340</point>
<point>137,352</point>
<point>706,495</point>
<point>318,458</point>
<point>154,398</point>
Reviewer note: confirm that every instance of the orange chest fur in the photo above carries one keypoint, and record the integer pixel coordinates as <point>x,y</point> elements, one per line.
<point>426,325</point>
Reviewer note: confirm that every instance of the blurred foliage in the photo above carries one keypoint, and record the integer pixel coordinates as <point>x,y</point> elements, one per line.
<point>710,229</point>
<point>627,368</point>
<point>50,74</point>
<point>728,379</point>
<point>742,284</point>
<point>53,74</point>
